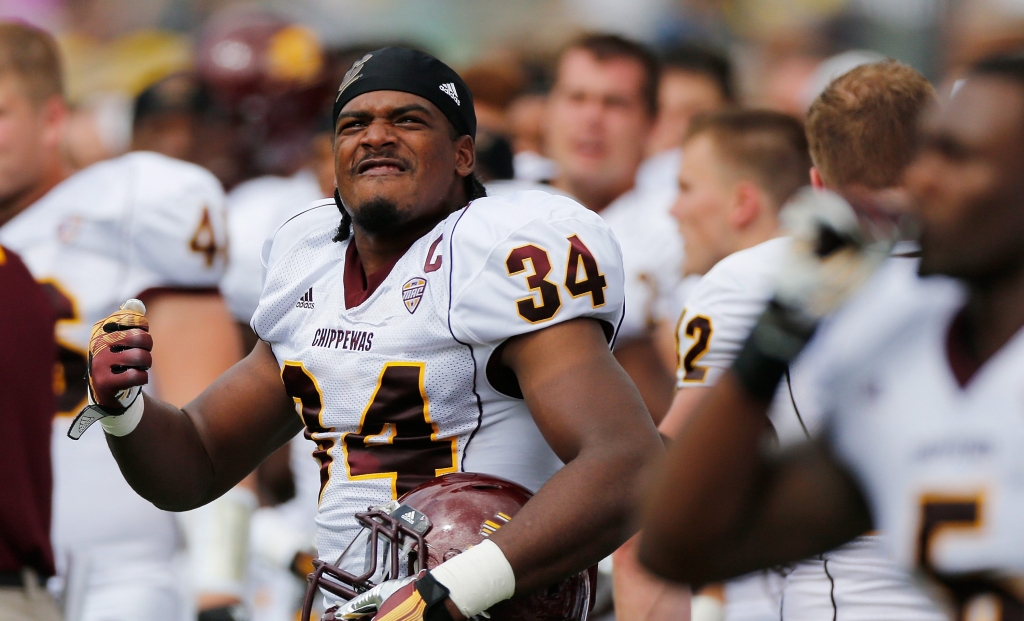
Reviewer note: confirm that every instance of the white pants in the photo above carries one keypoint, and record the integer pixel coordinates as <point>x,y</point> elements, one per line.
<point>856,582</point>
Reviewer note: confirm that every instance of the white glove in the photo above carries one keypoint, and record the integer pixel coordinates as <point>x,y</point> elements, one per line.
<point>834,252</point>
<point>366,604</point>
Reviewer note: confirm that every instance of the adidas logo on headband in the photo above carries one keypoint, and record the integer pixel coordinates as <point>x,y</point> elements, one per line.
<point>449,89</point>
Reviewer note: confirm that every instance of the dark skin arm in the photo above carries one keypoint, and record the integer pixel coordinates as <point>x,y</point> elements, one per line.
<point>183,459</point>
<point>594,419</point>
<point>722,507</point>
<point>583,402</point>
<point>641,360</point>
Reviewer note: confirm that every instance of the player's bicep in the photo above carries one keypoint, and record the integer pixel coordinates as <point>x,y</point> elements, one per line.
<point>245,415</point>
<point>576,391</point>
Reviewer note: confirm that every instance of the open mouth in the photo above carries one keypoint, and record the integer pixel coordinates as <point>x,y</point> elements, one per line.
<point>380,166</point>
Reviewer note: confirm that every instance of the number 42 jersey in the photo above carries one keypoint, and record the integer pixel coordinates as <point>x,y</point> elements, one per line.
<point>397,374</point>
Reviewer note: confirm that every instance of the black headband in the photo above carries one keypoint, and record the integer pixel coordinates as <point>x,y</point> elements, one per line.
<point>410,71</point>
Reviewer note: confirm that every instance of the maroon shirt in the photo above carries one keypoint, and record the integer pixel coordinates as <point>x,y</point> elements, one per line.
<point>27,356</point>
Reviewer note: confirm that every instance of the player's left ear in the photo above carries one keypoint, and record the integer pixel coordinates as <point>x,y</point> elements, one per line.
<point>465,155</point>
<point>747,206</point>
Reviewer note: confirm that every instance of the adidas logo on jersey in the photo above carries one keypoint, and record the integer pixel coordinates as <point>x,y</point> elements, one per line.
<point>412,293</point>
<point>449,89</point>
<point>306,301</point>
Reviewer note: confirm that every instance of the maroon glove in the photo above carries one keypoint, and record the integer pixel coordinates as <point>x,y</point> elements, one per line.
<point>119,360</point>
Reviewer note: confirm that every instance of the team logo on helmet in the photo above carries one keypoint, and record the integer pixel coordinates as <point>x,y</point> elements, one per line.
<point>353,74</point>
<point>412,293</point>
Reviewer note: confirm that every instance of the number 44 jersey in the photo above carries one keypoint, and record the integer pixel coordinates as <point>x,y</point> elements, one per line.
<point>397,374</point>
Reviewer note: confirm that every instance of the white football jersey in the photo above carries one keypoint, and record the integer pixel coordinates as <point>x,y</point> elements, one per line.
<point>856,581</point>
<point>393,372</point>
<point>111,232</point>
<point>652,255</point>
<point>940,464</point>
<point>256,209</point>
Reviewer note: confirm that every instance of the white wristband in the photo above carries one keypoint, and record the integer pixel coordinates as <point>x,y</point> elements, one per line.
<point>477,579</point>
<point>706,608</point>
<point>125,423</point>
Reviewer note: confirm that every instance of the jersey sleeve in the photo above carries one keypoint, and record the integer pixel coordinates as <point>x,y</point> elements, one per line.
<point>526,262</point>
<point>178,226</point>
<point>719,315</point>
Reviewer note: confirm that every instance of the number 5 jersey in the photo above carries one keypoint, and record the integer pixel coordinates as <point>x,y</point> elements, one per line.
<point>397,374</point>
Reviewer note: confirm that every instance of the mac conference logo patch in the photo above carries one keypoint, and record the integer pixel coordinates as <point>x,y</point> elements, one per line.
<point>412,293</point>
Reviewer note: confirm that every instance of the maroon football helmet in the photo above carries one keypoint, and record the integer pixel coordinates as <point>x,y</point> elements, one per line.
<point>271,76</point>
<point>431,524</point>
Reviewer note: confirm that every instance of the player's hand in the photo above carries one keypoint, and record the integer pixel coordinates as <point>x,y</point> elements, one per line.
<point>119,361</point>
<point>367,604</point>
<point>415,598</point>
<point>838,242</point>
<point>119,356</point>
<point>835,250</point>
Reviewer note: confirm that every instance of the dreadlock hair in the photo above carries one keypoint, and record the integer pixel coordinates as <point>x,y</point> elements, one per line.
<point>474,190</point>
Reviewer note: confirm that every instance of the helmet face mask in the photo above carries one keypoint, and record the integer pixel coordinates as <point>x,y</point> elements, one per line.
<point>431,524</point>
<point>393,545</point>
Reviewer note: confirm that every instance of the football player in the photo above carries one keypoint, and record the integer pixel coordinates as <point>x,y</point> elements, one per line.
<point>738,168</point>
<point>918,381</point>
<point>856,579</point>
<point>601,111</point>
<point>140,225</point>
<point>427,330</point>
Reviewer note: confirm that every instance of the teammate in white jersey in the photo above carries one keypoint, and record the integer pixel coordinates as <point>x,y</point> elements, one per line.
<point>856,581</point>
<point>141,225</point>
<point>422,336</point>
<point>919,381</point>
<point>601,112</point>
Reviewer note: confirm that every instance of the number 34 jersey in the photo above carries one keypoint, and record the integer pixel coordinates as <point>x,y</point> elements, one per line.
<point>397,374</point>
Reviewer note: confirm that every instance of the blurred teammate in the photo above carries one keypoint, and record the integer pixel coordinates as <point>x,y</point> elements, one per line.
<point>141,225</point>
<point>600,114</point>
<point>726,303</point>
<point>420,334</point>
<point>738,168</point>
<point>694,80</point>
<point>27,357</point>
<point>917,380</point>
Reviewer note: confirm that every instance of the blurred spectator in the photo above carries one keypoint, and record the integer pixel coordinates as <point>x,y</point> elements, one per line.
<point>694,79</point>
<point>495,86</point>
<point>27,358</point>
<point>600,115</point>
<point>167,117</point>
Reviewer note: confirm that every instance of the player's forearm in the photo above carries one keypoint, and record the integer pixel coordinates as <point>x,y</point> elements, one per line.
<point>804,504</point>
<point>164,459</point>
<point>586,511</point>
<point>707,485</point>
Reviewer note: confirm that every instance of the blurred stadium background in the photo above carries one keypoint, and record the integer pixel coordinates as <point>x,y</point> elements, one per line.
<point>115,49</point>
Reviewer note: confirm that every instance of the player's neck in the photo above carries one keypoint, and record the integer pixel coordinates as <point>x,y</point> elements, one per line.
<point>378,250</point>
<point>994,313</point>
<point>12,205</point>
<point>590,196</point>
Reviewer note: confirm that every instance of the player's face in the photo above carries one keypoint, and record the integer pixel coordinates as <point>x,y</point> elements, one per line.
<point>27,132</point>
<point>597,124</point>
<point>681,96</point>
<point>701,209</point>
<point>396,149</point>
<point>968,180</point>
